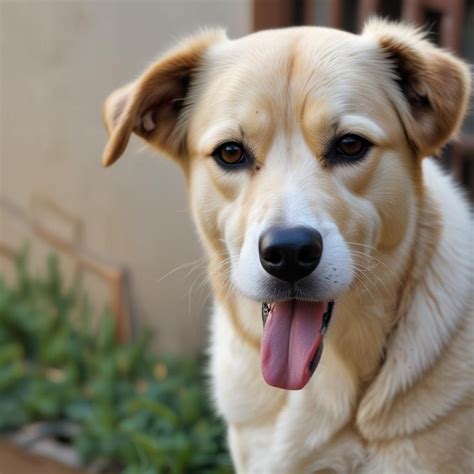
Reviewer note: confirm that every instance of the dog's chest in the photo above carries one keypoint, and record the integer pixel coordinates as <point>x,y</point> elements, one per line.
<point>273,427</point>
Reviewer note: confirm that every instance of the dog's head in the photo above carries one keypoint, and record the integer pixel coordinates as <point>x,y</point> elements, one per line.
<point>302,149</point>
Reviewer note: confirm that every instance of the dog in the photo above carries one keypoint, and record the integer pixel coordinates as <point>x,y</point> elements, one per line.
<point>339,252</point>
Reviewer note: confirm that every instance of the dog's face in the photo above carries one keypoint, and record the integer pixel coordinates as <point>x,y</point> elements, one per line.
<point>296,129</point>
<point>302,151</point>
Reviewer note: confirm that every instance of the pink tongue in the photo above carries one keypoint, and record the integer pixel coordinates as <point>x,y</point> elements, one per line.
<point>290,340</point>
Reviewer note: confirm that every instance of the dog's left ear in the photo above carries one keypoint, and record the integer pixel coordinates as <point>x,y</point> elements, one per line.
<point>434,84</point>
<point>151,106</point>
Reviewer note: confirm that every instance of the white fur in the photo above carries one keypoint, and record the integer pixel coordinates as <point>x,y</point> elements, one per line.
<point>311,419</point>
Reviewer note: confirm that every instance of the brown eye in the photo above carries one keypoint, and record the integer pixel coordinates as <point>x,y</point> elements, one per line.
<point>348,149</point>
<point>351,145</point>
<point>231,154</point>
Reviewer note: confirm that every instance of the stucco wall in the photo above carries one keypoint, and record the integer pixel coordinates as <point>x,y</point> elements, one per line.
<point>59,60</point>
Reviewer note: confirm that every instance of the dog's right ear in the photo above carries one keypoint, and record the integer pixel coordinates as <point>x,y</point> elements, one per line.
<point>151,106</point>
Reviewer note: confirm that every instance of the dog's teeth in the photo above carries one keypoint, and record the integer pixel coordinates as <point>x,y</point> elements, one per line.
<point>265,313</point>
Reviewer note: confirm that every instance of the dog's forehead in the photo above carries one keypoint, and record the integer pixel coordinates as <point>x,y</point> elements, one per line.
<point>269,77</point>
<point>296,59</point>
<point>277,45</point>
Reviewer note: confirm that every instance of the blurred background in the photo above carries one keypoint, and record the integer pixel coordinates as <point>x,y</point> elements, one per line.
<point>123,236</point>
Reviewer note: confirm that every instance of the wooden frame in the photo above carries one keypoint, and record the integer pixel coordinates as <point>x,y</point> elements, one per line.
<point>272,14</point>
<point>114,276</point>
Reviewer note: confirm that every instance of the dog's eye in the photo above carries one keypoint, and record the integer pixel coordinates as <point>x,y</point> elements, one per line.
<point>348,148</point>
<point>230,154</point>
<point>350,145</point>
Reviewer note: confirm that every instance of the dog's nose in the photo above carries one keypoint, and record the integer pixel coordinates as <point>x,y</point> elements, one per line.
<point>290,253</point>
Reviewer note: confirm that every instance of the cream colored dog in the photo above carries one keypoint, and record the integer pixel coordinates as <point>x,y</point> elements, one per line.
<point>304,150</point>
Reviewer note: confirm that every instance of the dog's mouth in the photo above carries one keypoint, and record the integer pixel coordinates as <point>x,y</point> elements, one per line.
<point>292,343</point>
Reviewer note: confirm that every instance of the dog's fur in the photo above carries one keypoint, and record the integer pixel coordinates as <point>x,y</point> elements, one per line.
<point>394,390</point>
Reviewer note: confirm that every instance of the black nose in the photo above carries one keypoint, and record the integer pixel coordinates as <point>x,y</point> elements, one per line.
<point>290,253</point>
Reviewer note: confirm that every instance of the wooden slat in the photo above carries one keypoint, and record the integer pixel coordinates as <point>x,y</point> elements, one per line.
<point>463,150</point>
<point>14,460</point>
<point>452,16</point>
<point>309,12</point>
<point>272,14</point>
<point>365,9</point>
<point>113,275</point>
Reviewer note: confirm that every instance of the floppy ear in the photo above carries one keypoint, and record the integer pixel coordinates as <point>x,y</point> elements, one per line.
<point>434,84</point>
<point>151,106</point>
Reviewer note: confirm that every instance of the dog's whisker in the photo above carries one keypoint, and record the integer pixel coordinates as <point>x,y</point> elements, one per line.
<point>195,269</point>
<point>181,267</point>
<point>359,280</point>
<point>199,278</point>
<point>361,274</point>
<point>374,284</point>
<point>203,304</point>
<point>355,253</point>
<point>361,267</point>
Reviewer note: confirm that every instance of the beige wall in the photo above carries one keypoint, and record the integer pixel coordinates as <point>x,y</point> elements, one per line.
<point>59,60</point>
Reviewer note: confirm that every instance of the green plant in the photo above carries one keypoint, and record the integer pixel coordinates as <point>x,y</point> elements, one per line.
<point>135,411</point>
